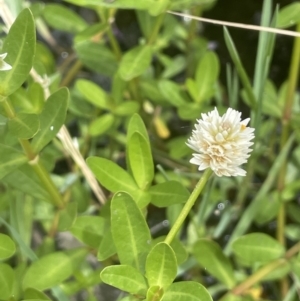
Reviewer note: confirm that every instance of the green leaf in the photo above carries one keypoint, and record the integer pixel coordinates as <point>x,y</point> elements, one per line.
<point>178,248</point>
<point>159,7</point>
<point>36,97</point>
<point>127,4</point>
<point>89,230</point>
<point>111,175</point>
<point>92,31</point>
<point>190,111</point>
<point>7,278</point>
<point>20,47</point>
<point>25,179</point>
<point>7,247</point>
<point>257,247</point>
<point>125,278</point>
<point>97,57</point>
<point>34,294</point>
<point>135,62</point>
<point>10,159</point>
<point>48,271</point>
<point>206,76</point>
<point>30,101</point>
<point>186,291</point>
<point>240,68</point>
<point>289,15</point>
<point>161,265</point>
<point>101,124</point>
<point>24,126</point>
<point>176,66</point>
<point>127,108</point>
<point>92,93</point>
<point>211,257</point>
<point>154,293</point>
<point>130,231</point>
<point>168,193</point>
<point>64,19</point>
<point>146,22</point>
<point>140,160</point>
<point>171,92</point>
<point>67,217</point>
<point>51,119</point>
<point>136,124</point>
<point>107,247</point>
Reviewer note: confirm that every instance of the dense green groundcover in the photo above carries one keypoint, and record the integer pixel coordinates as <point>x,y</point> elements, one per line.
<point>97,101</point>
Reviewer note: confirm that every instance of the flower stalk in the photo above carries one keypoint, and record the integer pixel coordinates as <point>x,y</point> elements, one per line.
<point>188,206</point>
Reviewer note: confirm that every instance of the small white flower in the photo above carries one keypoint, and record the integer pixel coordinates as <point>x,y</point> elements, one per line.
<point>3,65</point>
<point>221,143</point>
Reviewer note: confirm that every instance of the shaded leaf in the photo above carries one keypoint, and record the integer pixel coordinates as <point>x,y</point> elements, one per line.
<point>48,271</point>
<point>24,126</point>
<point>257,247</point>
<point>62,18</point>
<point>10,159</point>
<point>210,256</point>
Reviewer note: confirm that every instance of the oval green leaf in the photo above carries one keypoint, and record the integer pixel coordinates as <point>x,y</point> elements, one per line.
<point>10,159</point>
<point>89,230</point>
<point>7,247</point>
<point>127,108</point>
<point>101,125</point>
<point>140,160</point>
<point>7,278</point>
<point>210,256</point>
<point>34,294</point>
<point>257,247</point>
<point>125,278</point>
<point>20,48</point>
<point>51,119</point>
<point>289,15</point>
<point>48,271</point>
<point>92,93</point>
<point>206,76</point>
<point>110,175</point>
<point>24,126</point>
<point>135,62</point>
<point>130,231</point>
<point>64,19</point>
<point>168,193</point>
<point>187,291</point>
<point>161,266</point>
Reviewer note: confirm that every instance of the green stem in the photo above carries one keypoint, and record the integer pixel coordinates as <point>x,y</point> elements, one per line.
<point>71,74</point>
<point>188,206</point>
<point>293,78</point>
<point>48,184</point>
<point>34,161</point>
<point>114,44</point>
<point>289,101</point>
<point>267,269</point>
<point>256,277</point>
<point>156,28</point>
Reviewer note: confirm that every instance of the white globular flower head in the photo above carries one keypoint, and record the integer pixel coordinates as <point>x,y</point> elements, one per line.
<point>222,143</point>
<point>3,65</point>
